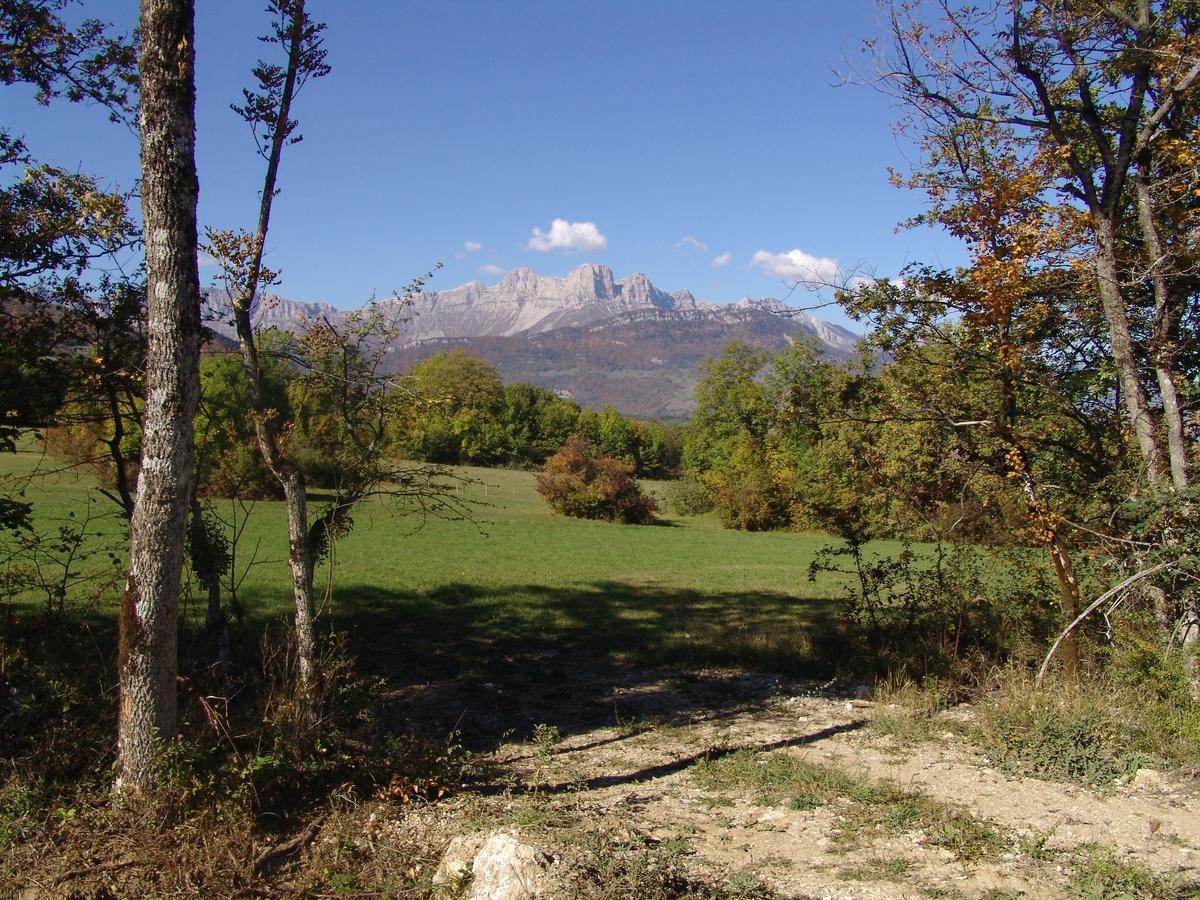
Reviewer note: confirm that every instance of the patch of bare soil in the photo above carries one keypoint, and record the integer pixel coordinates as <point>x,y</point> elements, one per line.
<point>922,818</point>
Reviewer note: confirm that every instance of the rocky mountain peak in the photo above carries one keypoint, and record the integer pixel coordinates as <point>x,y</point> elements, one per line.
<point>591,280</point>
<point>637,291</point>
<point>769,304</point>
<point>522,281</point>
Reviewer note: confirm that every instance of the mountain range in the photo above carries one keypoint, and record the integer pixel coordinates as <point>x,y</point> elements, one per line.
<point>588,336</point>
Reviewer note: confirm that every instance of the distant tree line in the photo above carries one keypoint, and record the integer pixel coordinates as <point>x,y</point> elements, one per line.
<point>452,408</point>
<point>458,410</point>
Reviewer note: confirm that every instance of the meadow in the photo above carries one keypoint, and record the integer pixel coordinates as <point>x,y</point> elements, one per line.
<point>428,597</point>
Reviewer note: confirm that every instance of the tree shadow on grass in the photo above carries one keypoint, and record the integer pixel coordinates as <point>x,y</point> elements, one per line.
<point>491,662</point>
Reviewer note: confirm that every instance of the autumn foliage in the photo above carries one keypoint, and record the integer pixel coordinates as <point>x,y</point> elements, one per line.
<point>577,482</point>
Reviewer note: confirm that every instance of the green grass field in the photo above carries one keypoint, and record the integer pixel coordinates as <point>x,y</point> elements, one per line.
<point>448,596</point>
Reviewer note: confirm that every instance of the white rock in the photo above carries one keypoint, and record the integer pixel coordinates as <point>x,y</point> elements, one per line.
<point>505,868</point>
<point>455,867</point>
<point>1148,780</point>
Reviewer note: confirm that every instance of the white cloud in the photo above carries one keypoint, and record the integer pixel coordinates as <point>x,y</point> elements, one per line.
<point>568,236</point>
<point>800,267</point>
<point>720,262</point>
<point>695,243</point>
<point>472,246</point>
<point>492,269</point>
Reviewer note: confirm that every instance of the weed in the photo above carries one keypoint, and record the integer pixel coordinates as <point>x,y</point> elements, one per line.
<point>544,738</point>
<point>628,727</point>
<point>904,813</point>
<point>1101,875</point>
<point>939,611</point>
<point>20,807</point>
<point>876,869</point>
<point>774,778</point>
<point>902,725</point>
<point>1034,845</point>
<point>965,836</point>
<point>1065,735</point>
<point>617,865</point>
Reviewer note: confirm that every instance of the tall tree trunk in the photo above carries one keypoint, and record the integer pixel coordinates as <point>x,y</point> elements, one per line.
<point>1137,406</point>
<point>1068,602</point>
<point>301,562</point>
<point>1166,320</point>
<point>149,607</point>
<point>1047,525</point>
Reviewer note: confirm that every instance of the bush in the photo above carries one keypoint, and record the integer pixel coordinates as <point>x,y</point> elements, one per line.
<point>943,609</point>
<point>750,500</point>
<point>1082,735</point>
<point>688,498</point>
<point>577,483</point>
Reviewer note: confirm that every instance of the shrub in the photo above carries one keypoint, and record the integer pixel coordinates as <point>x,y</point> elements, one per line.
<point>754,491</point>
<point>1082,735</point>
<point>688,498</point>
<point>941,609</point>
<point>578,483</point>
<point>750,501</point>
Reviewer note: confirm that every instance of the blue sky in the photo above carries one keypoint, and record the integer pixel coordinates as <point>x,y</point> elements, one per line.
<point>704,143</point>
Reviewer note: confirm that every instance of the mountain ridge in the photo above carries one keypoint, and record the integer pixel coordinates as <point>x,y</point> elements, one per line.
<point>589,336</point>
<point>522,301</point>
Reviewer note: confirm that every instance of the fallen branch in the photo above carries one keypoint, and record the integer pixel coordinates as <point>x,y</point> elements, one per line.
<point>1096,604</point>
<point>289,846</point>
<point>83,871</point>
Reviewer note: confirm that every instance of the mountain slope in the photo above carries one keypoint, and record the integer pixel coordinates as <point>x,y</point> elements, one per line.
<point>587,336</point>
<point>644,364</point>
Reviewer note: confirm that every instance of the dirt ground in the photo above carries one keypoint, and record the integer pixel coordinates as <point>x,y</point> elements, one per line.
<point>619,747</point>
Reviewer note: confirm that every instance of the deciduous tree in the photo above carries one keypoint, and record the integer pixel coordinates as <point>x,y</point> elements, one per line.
<point>1098,102</point>
<point>149,605</point>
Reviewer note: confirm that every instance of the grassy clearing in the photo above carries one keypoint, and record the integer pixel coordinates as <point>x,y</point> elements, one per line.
<point>445,597</point>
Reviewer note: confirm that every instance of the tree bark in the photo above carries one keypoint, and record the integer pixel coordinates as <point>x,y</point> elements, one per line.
<point>1137,406</point>
<point>1166,320</point>
<point>149,607</point>
<point>1068,601</point>
<point>301,562</point>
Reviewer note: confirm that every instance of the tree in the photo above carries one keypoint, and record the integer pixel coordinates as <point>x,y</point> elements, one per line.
<point>149,604</point>
<point>455,409</point>
<point>754,437</point>
<point>268,112</point>
<point>1098,101</point>
<point>1058,140</point>
<point>228,463</point>
<point>536,423</point>
<point>53,222</point>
